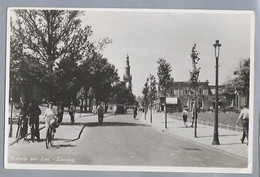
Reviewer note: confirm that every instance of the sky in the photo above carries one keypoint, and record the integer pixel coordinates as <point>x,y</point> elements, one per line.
<point>147,35</point>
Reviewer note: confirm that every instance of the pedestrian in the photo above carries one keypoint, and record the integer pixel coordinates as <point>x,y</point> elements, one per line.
<point>185,114</point>
<point>100,111</point>
<point>135,111</point>
<point>34,112</point>
<point>72,111</point>
<point>23,106</point>
<point>243,118</point>
<point>60,111</point>
<point>114,109</point>
<point>49,115</point>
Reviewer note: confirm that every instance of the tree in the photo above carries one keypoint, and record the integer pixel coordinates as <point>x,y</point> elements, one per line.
<point>194,76</point>
<point>146,97</point>
<point>152,94</point>
<point>165,81</point>
<point>242,79</point>
<point>55,36</point>
<point>122,94</point>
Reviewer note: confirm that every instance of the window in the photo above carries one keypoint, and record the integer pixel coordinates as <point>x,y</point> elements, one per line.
<point>200,102</point>
<point>185,103</point>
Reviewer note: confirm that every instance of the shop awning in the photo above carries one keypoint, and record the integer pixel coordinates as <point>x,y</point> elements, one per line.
<point>171,100</point>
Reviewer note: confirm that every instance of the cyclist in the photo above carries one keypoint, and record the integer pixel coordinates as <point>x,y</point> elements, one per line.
<point>23,116</point>
<point>34,112</point>
<point>50,117</point>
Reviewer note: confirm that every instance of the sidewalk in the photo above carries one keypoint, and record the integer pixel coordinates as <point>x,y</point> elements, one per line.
<point>229,140</point>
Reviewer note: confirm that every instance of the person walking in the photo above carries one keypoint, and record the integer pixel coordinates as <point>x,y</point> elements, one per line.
<point>100,111</point>
<point>60,111</point>
<point>185,114</point>
<point>243,118</point>
<point>34,112</point>
<point>114,109</point>
<point>72,111</point>
<point>135,111</point>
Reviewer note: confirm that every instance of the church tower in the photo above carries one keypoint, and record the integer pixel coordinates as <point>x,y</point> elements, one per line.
<point>128,76</point>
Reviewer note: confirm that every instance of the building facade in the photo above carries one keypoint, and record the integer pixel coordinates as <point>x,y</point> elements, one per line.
<point>181,96</point>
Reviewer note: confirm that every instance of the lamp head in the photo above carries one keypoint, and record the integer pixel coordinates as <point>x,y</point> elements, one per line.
<point>217,48</point>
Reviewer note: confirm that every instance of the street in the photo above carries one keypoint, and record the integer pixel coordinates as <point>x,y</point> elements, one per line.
<point>121,140</point>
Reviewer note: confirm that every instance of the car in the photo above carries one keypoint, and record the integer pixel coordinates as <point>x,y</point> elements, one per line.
<point>120,109</point>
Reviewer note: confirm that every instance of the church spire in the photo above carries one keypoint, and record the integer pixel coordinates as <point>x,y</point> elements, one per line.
<point>128,76</point>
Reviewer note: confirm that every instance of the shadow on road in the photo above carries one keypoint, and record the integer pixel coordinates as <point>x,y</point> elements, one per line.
<point>78,135</point>
<point>96,124</point>
<point>227,144</point>
<point>63,145</point>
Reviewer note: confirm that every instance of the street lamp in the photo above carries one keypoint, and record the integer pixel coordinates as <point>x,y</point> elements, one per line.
<point>215,136</point>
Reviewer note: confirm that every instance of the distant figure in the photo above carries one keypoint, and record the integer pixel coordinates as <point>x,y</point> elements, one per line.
<point>244,119</point>
<point>72,111</point>
<point>23,106</point>
<point>135,111</point>
<point>34,112</point>
<point>185,114</point>
<point>81,105</point>
<point>60,111</point>
<point>94,110</point>
<point>114,109</point>
<point>100,112</point>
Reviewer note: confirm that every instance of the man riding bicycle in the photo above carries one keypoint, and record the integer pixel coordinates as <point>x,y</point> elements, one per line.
<point>50,117</point>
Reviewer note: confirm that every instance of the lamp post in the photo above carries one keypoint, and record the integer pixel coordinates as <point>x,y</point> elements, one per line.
<point>215,136</point>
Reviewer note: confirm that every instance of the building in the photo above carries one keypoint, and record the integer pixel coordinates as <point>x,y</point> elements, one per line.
<point>128,77</point>
<point>181,96</point>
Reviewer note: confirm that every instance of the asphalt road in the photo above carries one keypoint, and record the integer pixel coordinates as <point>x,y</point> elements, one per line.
<point>121,140</point>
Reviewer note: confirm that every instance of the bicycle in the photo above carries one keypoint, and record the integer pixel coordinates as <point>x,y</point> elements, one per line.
<point>22,128</point>
<point>50,133</point>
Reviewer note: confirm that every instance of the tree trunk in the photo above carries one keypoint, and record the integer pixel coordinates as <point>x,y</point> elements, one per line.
<point>151,119</point>
<point>196,114</point>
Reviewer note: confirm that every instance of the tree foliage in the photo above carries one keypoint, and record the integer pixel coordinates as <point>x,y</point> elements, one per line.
<point>146,93</point>
<point>242,78</point>
<point>58,55</point>
<point>164,76</point>
<point>122,95</point>
<point>194,73</point>
<point>152,94</point>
